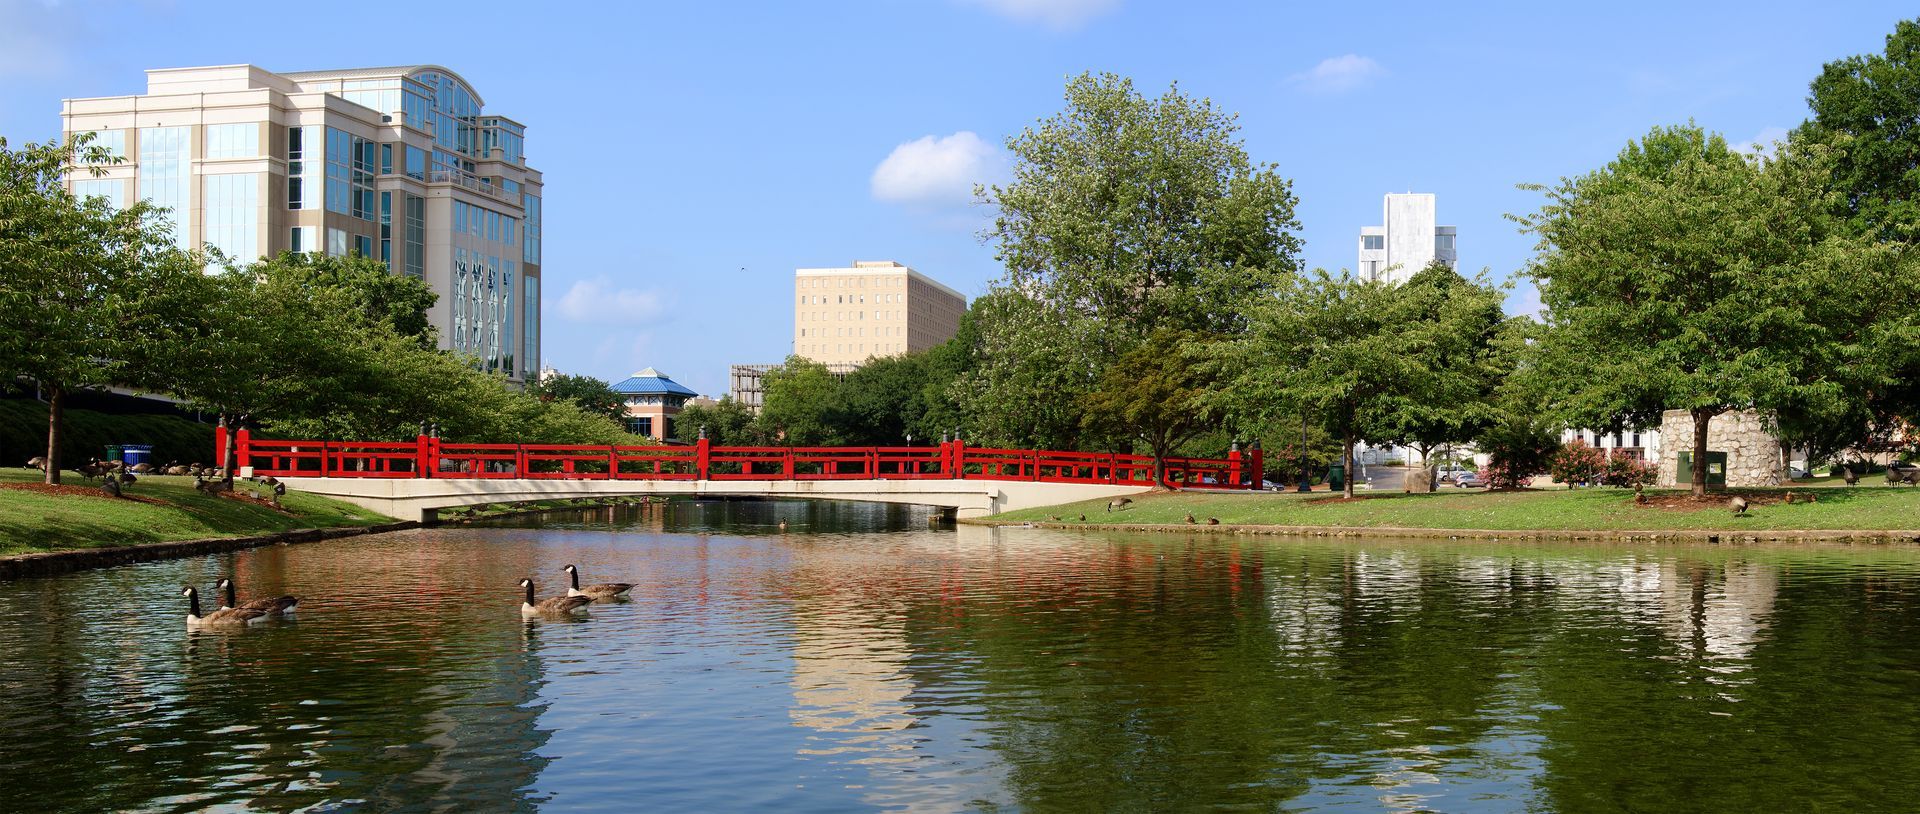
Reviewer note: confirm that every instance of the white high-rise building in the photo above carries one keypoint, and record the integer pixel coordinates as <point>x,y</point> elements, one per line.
<point>1406,242</point>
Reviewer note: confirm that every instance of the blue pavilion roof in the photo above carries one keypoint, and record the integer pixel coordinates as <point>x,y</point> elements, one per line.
<point>652,382</point>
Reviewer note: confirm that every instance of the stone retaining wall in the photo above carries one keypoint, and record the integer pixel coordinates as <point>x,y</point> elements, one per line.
<point>1753,452</point>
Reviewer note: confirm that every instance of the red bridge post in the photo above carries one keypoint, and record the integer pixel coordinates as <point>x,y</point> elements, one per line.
<point>1233,464</point>
<point>421,452</point>
<point>1257,462</point>
<point>701,450</point>
<point>220,444</point>
<point>243,443</point>
<point>959,457</point>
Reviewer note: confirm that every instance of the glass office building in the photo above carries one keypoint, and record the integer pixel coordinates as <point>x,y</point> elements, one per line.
<point>400,164</point>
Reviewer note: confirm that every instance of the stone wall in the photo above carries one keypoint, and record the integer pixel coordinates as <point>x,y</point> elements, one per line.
<point>1753,452</point>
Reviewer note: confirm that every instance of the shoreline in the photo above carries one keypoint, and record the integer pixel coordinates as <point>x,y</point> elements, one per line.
<point>1654,536</point>
<point>50,563</point>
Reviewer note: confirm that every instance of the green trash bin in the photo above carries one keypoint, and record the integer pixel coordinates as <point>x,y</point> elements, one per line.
<point>1337,477</point>
<point>1716,469</point>
<point>113,453</point>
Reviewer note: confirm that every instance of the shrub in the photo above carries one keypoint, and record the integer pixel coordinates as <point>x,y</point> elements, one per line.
<point>1627,471</point>
<point>1577,463</point>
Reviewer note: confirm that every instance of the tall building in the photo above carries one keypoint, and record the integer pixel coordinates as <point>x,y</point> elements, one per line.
<point>1406,242</point>
<point>873,308</point>
<point>399,164</point>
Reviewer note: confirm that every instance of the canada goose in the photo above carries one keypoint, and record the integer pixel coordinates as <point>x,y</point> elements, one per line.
<point>1083,518</point>
<point>1190,520</point>
<point>1789,499</point>
<point>1053,518</point>
<point>196,468</point>
<point>1813,498</point>
<point>111,486</point>
<point>224,616</point>
<point>1738,504</point>
<point>604,590</point>
<point>553,605</point>
<point>1119,503</point>
<point>783,525</point>
<point>1847,474</point>
<point>1213,521</point>
<point>37,462</point>
<point>174,468</point>
<point>211,486</point>
<point>279,605</point>
<point>141,468</point>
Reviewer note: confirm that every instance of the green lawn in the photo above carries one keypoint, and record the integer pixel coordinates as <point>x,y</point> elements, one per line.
<point>1875,507</point>
<point>33,522</point>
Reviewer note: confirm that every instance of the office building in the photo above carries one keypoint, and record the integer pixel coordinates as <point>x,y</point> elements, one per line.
<point>872,308</point>
<point>1406,241</point>
<point>400,164</point>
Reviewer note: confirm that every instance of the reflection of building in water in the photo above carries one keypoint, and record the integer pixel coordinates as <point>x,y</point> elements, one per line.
<point>849,676</point>
<point>1712,610</point>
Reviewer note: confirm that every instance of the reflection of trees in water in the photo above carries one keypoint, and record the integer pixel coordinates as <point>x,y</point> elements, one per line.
<point>402,707</point>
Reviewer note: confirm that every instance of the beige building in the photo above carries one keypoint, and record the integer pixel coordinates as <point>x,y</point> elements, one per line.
<point>873,308</point>
<point>399,164</point>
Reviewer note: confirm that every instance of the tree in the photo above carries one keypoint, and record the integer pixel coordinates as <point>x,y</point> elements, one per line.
<point>1870,106</point>
<point>586,392</point>
<point>80,281</point>
<point>727,423</point>
<point>1157,392</point>
<point>1684,275</point>
<point>1457,324</point>
<point>1577,463</point>
<point>800,405</point>
<point>1125,215</point>
<point>1340,350</point>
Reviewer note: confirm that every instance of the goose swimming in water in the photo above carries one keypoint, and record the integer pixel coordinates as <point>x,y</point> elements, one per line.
<point>275,606</point>
<point>553,605</point>
<point>604,590</point>
<point>224,616</point>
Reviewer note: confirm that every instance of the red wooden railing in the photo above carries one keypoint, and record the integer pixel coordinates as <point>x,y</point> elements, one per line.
<point>429,457</point>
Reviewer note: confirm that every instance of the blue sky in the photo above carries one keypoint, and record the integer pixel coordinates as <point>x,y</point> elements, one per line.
<point>696,153</point>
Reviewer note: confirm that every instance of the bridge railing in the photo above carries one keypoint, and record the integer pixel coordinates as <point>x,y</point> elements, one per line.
<point>429,457</point>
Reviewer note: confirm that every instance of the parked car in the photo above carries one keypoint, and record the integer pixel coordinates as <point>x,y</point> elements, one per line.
<point>1467,480</point>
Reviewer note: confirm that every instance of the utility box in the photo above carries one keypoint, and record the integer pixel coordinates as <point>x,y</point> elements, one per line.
<point>1716,469</point>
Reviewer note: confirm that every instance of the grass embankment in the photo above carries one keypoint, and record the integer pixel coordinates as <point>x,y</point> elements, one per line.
<point>1863,508</point>
<point>163,509</point>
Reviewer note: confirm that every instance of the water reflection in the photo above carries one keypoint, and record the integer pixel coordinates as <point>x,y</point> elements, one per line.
<point>857,660</point>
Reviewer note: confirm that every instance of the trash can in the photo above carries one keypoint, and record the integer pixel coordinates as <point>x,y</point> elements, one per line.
<point>1337,477</point>
<point>113,453</point>
<point>136,453</point>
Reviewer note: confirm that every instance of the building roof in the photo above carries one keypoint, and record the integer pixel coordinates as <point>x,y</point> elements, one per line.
<point>652,382</point>
<point>382,72</point>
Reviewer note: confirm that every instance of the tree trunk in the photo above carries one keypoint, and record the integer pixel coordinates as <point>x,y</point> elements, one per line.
<point>1702,417</point>
<point>1346,456</point>
<point>56,402</point>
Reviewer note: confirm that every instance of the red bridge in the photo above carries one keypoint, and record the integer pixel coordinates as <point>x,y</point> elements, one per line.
<point>429,473</point>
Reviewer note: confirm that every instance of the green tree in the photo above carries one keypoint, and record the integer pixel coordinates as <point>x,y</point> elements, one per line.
<point>1869,105</point>
<point>81,283</point>
<point>1455,325</point>
<point>800,404</point>
<point>1345,352</point>
<point>1125,215</point>
<point>727,423</point>
<point>1684,275</point>
<point>586,392</point>
<point>1157,393</point>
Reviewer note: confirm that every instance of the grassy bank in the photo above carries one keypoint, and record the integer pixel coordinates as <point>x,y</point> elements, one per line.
<point>167,509</point>
<point>1856,508</point>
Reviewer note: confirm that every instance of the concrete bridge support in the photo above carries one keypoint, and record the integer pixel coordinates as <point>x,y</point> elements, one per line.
<point>420,498</point>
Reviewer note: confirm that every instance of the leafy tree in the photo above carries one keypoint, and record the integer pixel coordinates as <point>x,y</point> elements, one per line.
<point>1870,106</point>
<point>1577,463</point>
<point>1126,215</point>
<point>586,392</point>
<point>800,405</point>
<point>1455,325</point>
<point>1684,275</point>
<point>81,283</point>
<point>1157,392</point>
<point>727,423</point>
<point>1336,349</point>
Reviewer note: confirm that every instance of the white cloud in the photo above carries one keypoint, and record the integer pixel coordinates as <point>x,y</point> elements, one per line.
<point>1339,74</point>
<point>1762,143</point>
<point>937,170</point>
<point>597,300</point>
<point>1060,15</point>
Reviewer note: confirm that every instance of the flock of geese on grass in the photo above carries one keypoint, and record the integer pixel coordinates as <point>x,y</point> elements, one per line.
<point>233,613</point>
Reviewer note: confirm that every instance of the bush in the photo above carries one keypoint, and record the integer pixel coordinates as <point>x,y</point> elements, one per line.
<point>23,435</point>
<point>1627,471</point>
<point>1577,463</point>
<point>1518,446</point>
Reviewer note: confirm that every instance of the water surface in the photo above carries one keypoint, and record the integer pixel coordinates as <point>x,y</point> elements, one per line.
<point>863,661</point>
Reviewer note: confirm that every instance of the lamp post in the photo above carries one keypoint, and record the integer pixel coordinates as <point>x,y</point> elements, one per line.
<point>1306,471</point>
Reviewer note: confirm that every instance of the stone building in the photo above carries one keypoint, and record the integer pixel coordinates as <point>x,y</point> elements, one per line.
<point>1754,454</point>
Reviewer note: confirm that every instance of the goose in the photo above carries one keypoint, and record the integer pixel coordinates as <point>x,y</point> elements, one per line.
<point>1119,503</point>
<point>553,605</point>
<point>1190,520</point>
<point>1738,504</point>
<point>279,605</point>
<point>224,616</point>
<point>604,590</point>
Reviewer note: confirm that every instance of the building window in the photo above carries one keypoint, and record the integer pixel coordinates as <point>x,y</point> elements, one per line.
<point>112,189</point>
<point>163,175</point>
<point>386,159</point>
<point>232,140</point>
<point>300,193</point>
<point>350,163</point>
<point>336,242</point>
<point>1443,243</point>
<point>232,210</point>
<point>640,426</point>
<point>1373,242</point>
<point>416,163</point>
<point>363,245</point>
<point>300,240</point>
<point>530,236</point>
<point>114,141</point>
<point>530,328</point>
<point>416,255</point>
